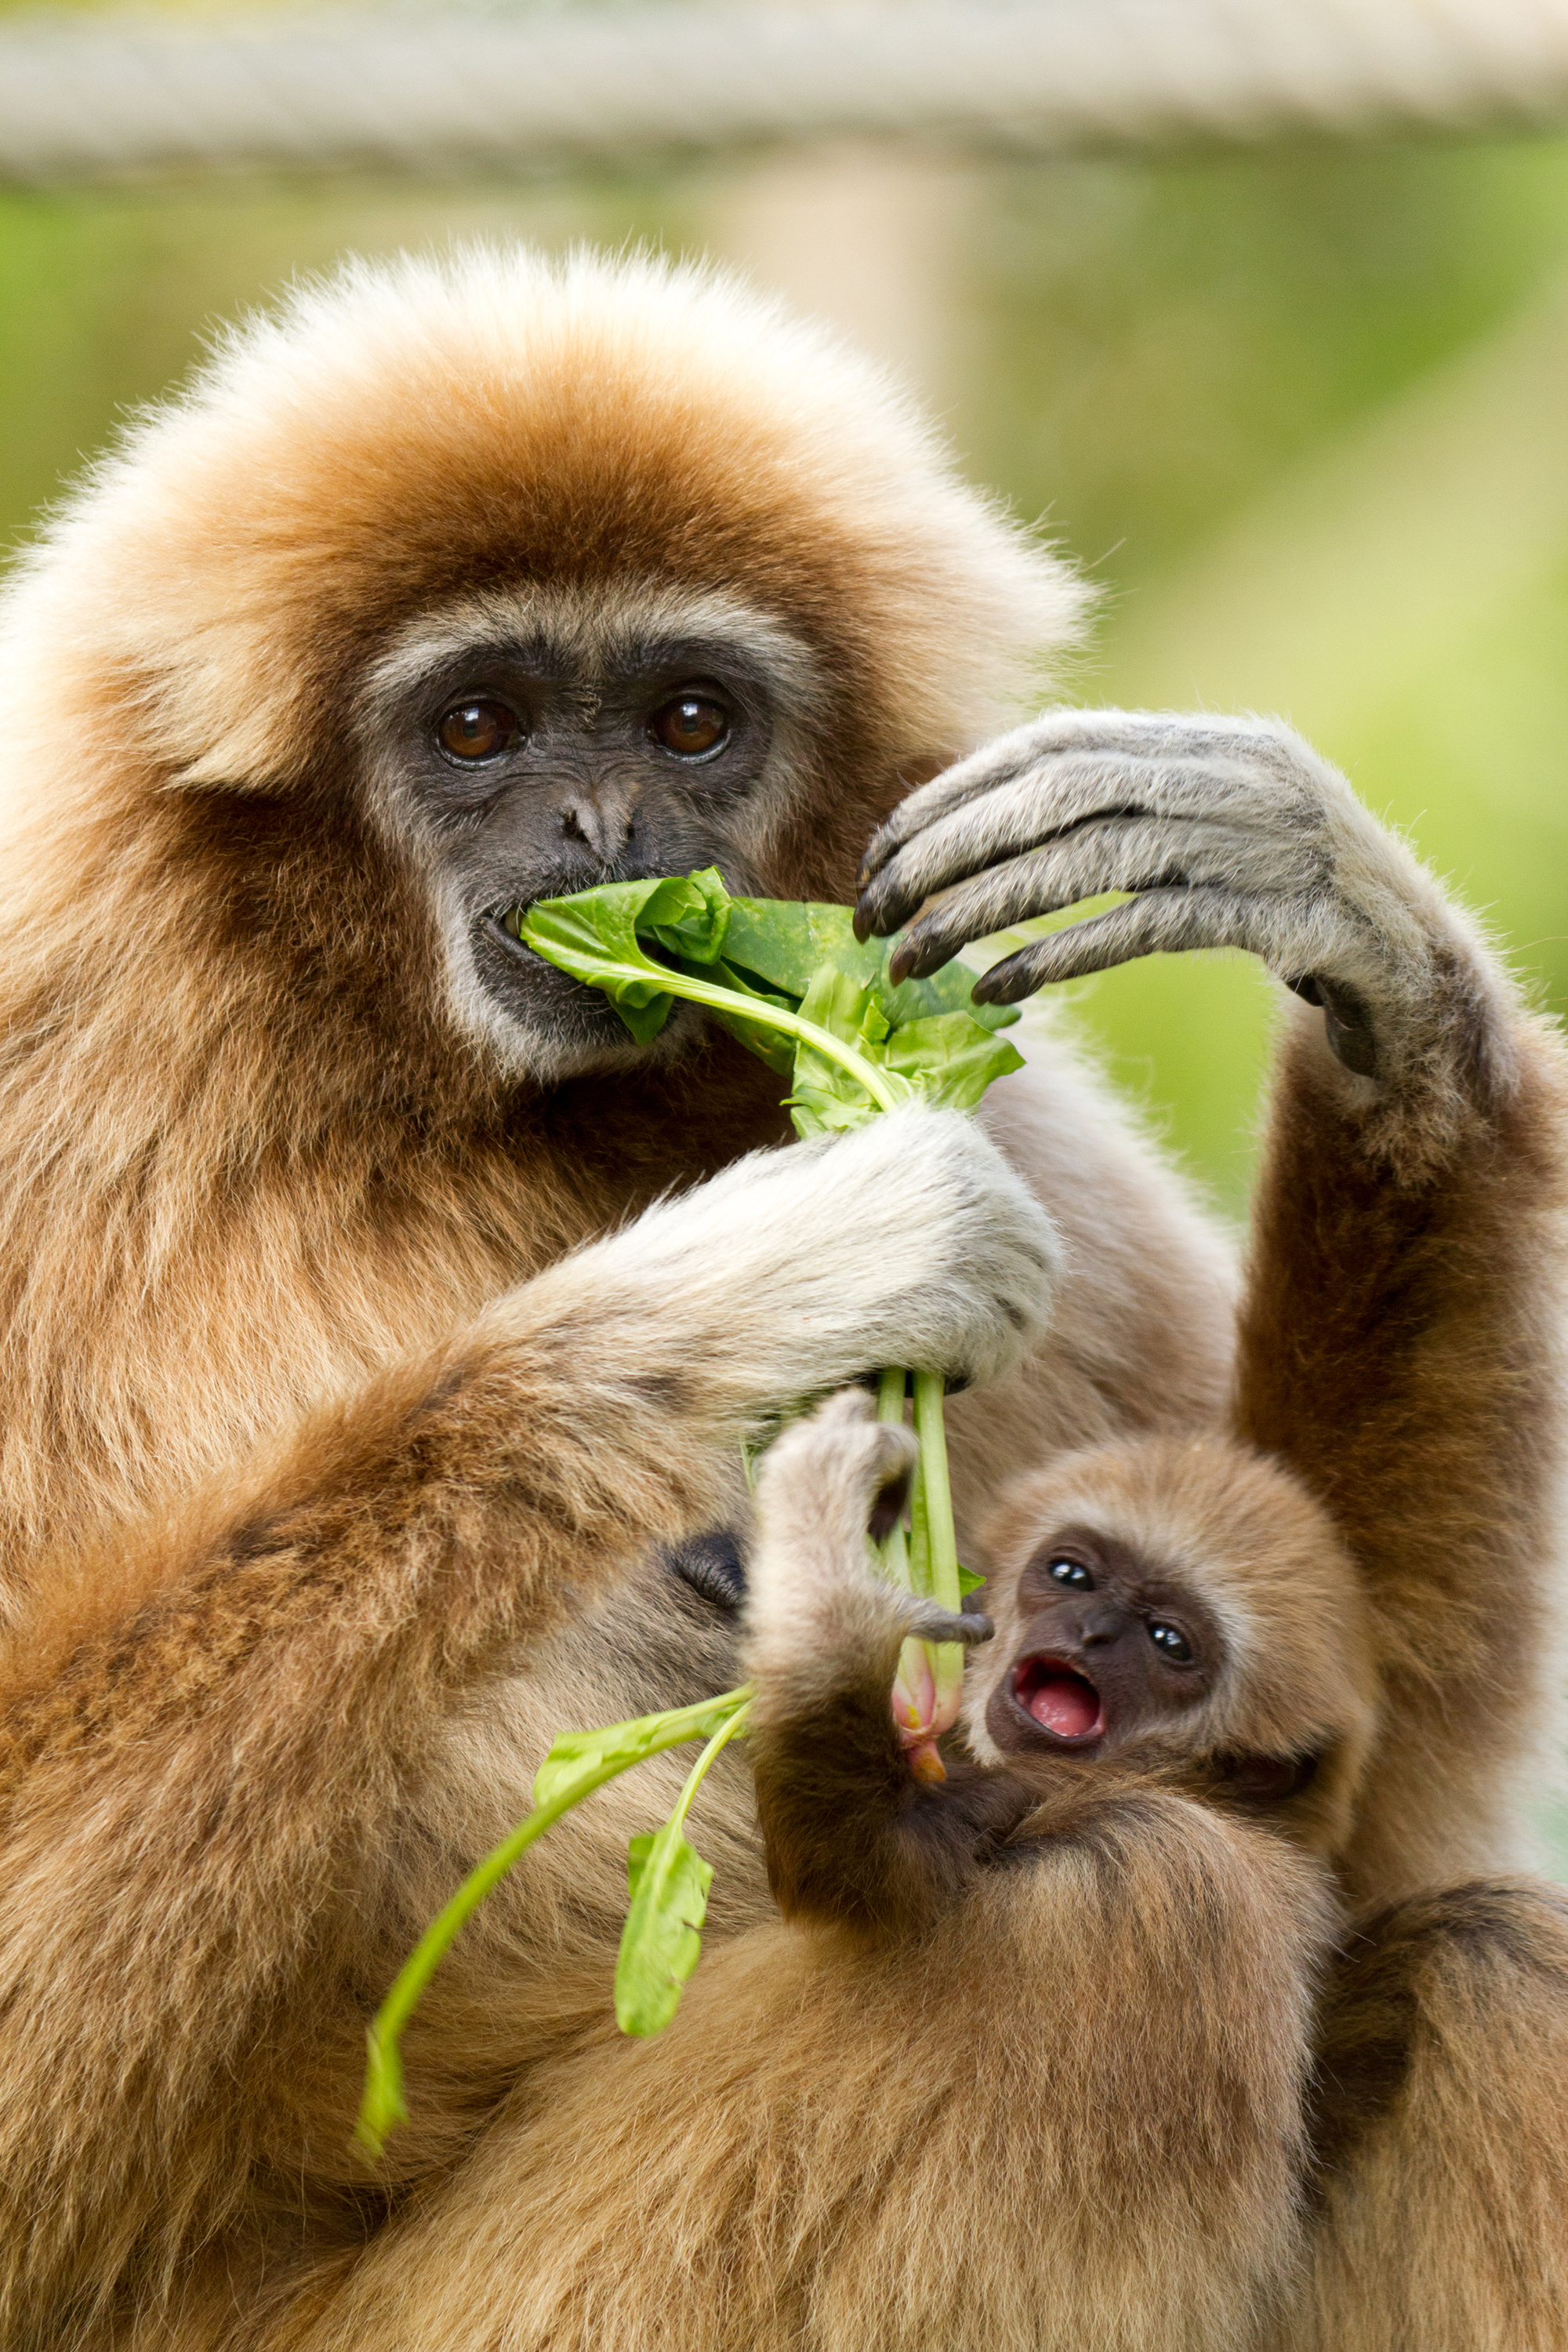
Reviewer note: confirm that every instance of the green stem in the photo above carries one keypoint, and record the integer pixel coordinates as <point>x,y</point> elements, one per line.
<point>719,1741</point>
<point>920,1529</point>
<point>764,1016</point>
<point>383,2103</point>
<point>942,1563</point>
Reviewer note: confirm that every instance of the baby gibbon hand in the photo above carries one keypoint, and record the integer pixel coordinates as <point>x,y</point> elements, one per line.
<point>818,1619</point>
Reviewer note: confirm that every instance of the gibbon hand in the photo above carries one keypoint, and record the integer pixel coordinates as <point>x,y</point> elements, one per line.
<point>1228,832</point>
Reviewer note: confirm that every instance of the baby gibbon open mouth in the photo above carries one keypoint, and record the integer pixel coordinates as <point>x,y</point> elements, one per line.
<point>1063,1703</point>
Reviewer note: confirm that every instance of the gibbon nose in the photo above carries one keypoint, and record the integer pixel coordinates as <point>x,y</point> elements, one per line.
<point>604,821</point>
<point>1099,1622</point>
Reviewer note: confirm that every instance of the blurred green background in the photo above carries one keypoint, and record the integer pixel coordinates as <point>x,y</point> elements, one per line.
<point>1297,412</point>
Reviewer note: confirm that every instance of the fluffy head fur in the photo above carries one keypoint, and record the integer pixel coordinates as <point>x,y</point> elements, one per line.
<point>412,434</point>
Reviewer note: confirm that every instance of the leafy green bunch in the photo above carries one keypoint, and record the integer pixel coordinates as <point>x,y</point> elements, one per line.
<point>792,983</point>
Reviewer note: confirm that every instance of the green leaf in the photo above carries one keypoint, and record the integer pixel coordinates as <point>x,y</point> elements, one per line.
<point>826,1096</point>
<point>661,1941</point>
<point>689,915</point>
<point>950,1059</point>
<point>785,942</point>
<point>593,936</point>
<point>968,1581</point>
<point>758,1036</point>
<point>579,1758</point>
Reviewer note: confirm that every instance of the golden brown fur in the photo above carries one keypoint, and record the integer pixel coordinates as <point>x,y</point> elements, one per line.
<point>910,2148</point>
<point>1441,2155</point>
<point>1434,1256</point>
<point>1401,1337</point>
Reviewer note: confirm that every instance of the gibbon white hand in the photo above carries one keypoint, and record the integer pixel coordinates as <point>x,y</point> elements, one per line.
<point>1229,833</point>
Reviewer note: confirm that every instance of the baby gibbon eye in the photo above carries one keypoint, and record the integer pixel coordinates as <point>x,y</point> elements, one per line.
<point>1070,1571</point>
<point>479,729</point>
<point>692,726</point>
<point>1170,1645</point>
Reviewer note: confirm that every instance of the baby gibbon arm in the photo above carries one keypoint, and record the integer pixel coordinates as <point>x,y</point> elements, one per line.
<point>1400,1338</point>
<point>851,1835</point>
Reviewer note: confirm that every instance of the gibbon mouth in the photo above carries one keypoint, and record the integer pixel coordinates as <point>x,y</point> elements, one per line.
<point>1058,1700</point>
<point>515,967</point>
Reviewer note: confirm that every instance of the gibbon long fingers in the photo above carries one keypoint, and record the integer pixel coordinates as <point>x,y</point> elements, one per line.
<point>1161,922</point>
<point>1132,853</point>
<point>1092,747</point>
<point>1118,733</point>
<point>1060,796</point>
<point>1300,875</point>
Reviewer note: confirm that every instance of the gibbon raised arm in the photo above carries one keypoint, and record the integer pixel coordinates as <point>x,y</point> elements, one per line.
<point>1402,1338</point>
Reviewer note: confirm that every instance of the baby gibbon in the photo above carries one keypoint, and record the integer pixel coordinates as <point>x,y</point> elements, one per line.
<point>1179,1609</point>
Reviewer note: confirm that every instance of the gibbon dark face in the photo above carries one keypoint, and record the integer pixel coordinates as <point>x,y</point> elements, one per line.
<point>542,745</point>
<point>1111,1649</point>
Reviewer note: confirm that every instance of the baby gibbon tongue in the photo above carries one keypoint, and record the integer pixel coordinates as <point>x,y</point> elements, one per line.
<point>1063,1703</point>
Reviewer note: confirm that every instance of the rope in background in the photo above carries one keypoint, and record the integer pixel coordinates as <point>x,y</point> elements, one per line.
<point>89,98</point>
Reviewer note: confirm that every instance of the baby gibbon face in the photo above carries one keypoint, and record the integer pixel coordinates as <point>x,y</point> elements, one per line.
<point>1111,1649</point>
<point>1182,1603</point>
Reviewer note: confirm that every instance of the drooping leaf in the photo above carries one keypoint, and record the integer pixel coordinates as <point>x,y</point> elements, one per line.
<point>661,1941</point>
<point>580,1758</point>
<point>968,1581</point>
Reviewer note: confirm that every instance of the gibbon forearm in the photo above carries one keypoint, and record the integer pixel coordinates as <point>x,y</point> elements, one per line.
<point>1400,1349</point>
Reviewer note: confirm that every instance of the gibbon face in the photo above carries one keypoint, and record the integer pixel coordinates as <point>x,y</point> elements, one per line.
<point>1186,1603</point>
<point>1111,1648</point>
<point>536,744</point>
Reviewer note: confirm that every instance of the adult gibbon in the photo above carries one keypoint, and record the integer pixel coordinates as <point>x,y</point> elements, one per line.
<point>326,1488</point>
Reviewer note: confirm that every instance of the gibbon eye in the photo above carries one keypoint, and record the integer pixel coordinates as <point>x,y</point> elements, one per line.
<point>480,730</point>
<point>1170,1645</point>
<point>692,726</point>
<point>1071,1571</point>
